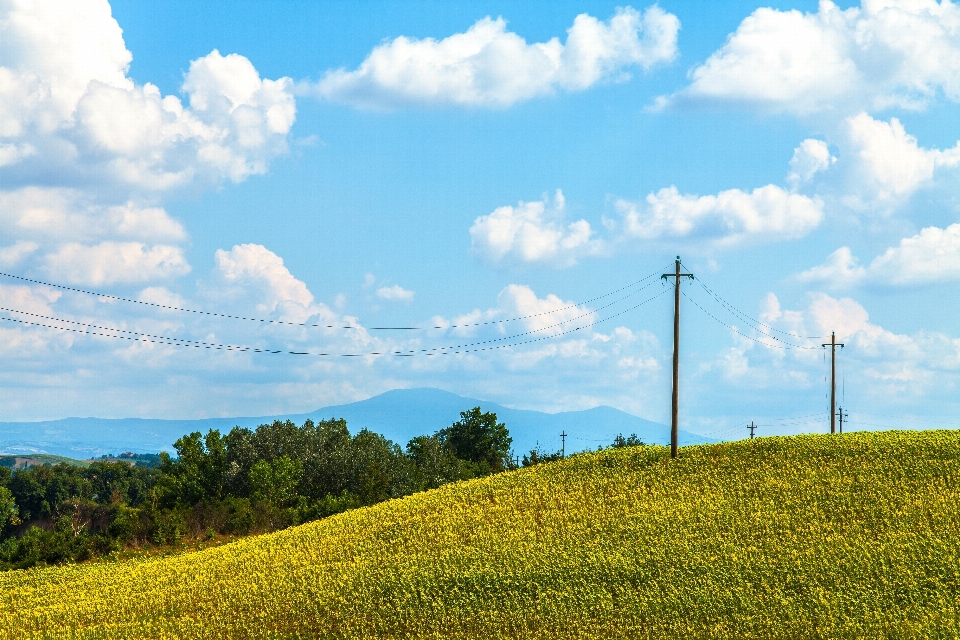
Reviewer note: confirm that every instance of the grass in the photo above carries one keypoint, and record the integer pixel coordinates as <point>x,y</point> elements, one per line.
<point>855,535</point>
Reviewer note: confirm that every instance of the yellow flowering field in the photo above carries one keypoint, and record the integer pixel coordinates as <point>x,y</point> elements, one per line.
<point>854,535</point>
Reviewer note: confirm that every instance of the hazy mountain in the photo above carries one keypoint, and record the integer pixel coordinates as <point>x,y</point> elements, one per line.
<point>399,415</point>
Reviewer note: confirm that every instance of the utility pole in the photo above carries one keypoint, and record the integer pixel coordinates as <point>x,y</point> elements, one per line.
<point>563,444</point>
<point>833,344</point>
<point>674,425</point>
<point>752,427</point>
<point>841,416</point>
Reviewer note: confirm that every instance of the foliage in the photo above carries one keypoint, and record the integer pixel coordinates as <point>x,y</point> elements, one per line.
<point>853,535</point>
<point>479,439</point>
<point>247,481</point>
<point>537,456</point>
<point>631,441</point>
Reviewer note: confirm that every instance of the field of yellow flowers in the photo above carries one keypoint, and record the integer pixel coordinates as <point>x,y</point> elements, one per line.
<point>854,535</point>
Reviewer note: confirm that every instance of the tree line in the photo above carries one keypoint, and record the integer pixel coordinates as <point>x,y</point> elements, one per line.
<point>246,481</point>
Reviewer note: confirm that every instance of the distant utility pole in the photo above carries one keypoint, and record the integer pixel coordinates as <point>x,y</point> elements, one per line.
<point>833,344</point>
<point>674,425</point>
<point>842,416</point>
<point>563,444</point>
<point>752,427</point>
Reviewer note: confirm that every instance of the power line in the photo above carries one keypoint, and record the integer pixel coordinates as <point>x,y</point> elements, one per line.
<point>181,342</point>
<point>553,326</point>
<point>747,318</point>
<point>409,352</point>
<point>304,324</point>
<point>785,345</point>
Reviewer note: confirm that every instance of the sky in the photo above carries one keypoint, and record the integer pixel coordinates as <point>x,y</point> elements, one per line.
<point>214,209</point>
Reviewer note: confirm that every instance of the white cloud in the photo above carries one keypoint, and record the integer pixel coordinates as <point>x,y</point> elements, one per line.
<point>51,214</point>
<point>727,219</point>
<point>889,164</point>
<point>86,151</point>
<point>879,55</point>
<point>29,299</point>
<point>491,67</point>
<point>841,268</point>
<point>931,256</point>
<point>161,296</point>
<point>545,316</point>
<point>533,232</point>
<point>811,157</point>
<point>68,109</point>
<point>395,293</point>
<point>252,276</point>
<point>12,255</point>
<point>114,262</point>
<point>879,367</point>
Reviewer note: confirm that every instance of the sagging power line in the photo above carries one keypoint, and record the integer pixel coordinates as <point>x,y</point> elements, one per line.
<point>181,342</point>
<point>199,312</point>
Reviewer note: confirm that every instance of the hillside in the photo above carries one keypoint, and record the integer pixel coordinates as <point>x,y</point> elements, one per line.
<point>38,459</point>
<point>854,535</point>
<point>399,415</point>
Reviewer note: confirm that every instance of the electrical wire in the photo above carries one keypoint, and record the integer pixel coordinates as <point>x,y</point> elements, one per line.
<point>747,318</point>
<point>785,345</point>
<point>181,342</point>
<point>326,326</point>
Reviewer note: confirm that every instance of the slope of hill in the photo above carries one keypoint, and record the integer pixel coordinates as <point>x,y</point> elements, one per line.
<point>399,415</point>
<point>36,460</point>
<point>852,535</point>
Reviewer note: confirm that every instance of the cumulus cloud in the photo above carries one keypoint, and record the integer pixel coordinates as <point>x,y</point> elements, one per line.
<point>881,366</point>
<point>533,233</point>
<point>488,66</point>
<point>12,255</point>
<point>881,54</point>
<point>548,316</point>
<point>87,152</point>
<point>888,162</point>
<point>727,219</point>
<point>68,108</point>
<point>114,262</point>
<point>55,214</point>
<point>250,276</point>
<point>810,158</point>
<point>520,311</point>
<point>931,256</point>
<point>395,293</point>
<point>253,265</point>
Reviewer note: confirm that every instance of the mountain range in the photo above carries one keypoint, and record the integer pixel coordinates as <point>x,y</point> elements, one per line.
<point>399,415</point>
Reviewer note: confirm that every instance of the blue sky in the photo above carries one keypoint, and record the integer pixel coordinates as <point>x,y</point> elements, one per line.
<point>447,164</point>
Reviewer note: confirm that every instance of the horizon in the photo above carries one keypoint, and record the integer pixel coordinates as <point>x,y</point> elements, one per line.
<point>257,209</point>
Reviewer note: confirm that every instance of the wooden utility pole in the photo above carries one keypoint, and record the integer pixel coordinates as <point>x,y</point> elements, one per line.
<point>563,444</point>
<point>833,344</point>
<point>674,425</point>
<point>752,427</point>
<point>841,416</point>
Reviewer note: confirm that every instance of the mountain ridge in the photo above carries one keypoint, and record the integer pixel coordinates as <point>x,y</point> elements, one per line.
<point>399,415</point>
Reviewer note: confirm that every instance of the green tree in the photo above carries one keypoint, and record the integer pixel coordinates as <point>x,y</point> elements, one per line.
<point>632,441</point>
<point>8,509</point>
<point>434,463</point>
<point>478,438</point>
<point>276,481</point>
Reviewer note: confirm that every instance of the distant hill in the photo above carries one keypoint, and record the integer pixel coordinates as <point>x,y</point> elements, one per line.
<point>38,460</point>
<point>399,415</point>
<point>845,536</point>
